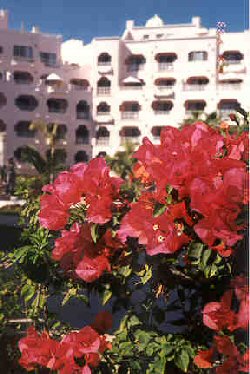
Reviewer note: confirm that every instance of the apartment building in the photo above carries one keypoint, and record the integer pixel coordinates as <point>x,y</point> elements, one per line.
<point>116,89</point>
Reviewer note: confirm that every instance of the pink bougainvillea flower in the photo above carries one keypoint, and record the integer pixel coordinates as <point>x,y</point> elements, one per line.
<point>204,358</point>
<point>218,315</point>
<point>53,212</point>
<point>39,350</point>
<point>162,234</point>
<point>90,269</point>
<point>89,184</point>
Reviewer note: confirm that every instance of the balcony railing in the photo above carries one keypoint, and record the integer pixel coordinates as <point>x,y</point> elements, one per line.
<point>225,86</point>
<point>233,62</point>
<point>102,141</point>
<point>129,115</point>
<point>103,113</point>
<point>129,139</point>
<point>162,112</point>
<point>103,91</point>
<point>135,67</point>
<point>194,87</point>
<point>131,87</point>
<point>165,66</point>
<point>104,63</point>
<point>25,134</point>
<point>82,140</point>
<point>82,115</point>
<point>56,110</point>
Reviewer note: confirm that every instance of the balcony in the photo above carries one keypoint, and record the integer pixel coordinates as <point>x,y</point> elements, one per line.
<point>165,66</point>
<point>26,103</point>
<point>103,91</point>
<point>82,115</point>
<point>130,115</point>
<point>194,87</point>
<point>102,141</point>
<point>230,86</point>
<point>57,106</point>
<point>129,139</point>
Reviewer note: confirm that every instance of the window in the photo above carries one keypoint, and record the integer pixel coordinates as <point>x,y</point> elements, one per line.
<point>23,129</point>
<point>57,105</point>
<point>49,59</point>
<point>162,107</point>
<point>1,49</point>
<point>197,56</point>
<point>2,126</point>
<point>81,156</point>
<point>82,110</point>
<point>102,136</point>
<point>3,100</point>
<point>145,37</point>
<point>60,131</point>
<point>104,59</point>
<point>159,36</point>
<point>103,108</point>
<point>103,86</point>
<point>26,102</point>
<point>195,105</point>
<point>130,134</point>
<point>82,135</point>
<point>233,57</point>
<point>130,110</point>
<point>23,52</point>
<point>22,77</point>
<point>135,62</point>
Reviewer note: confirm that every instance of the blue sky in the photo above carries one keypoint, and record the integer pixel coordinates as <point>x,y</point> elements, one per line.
<point>86,19</point>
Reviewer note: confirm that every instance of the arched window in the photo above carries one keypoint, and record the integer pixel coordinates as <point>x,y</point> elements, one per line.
<point>102,136</point>
<point>26,102</point>
<point>82,110</point>
<point>130,110</point>
<point>2,126</point>
<point>82,135</point>
<point>81,156</point>
<point>22,77</point>
<point>198,83</point>
<point>135,62</point>
<point>3,100</point>
<point>195,105</point>
<point>79,84</point>
<point>103,108</point>
<point>61,130</point>
<point>166,60</point>
<point>103,86</point>
<point>197,56</point>
<point>165,83</point>
<point>156,131</point>
<point>23,129</point>
<point>162,106</point>
<point>104,59</point>
<point>226,106</point>
<point>233,57</point>
<point>57,105</point>
<point>130,134</point>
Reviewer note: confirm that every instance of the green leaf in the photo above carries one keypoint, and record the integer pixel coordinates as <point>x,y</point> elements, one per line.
<point>106,296</point>
<point>182,360</point>
<point>159,209</point>
<point>205,257</point>
<point>125,271</point>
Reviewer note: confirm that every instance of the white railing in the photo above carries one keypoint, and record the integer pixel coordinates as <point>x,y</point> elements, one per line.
<point>130,87</point>
<point>194,87</point>
<point>226,86</point>
<point>129,115</point>
<point>165,66</point>
<point>102,141</point>
<point>162,112</point>
<point>103,91</point>
<point>129,139</point>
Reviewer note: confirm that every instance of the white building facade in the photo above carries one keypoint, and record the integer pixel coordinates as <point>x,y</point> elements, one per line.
<point>116,90</point>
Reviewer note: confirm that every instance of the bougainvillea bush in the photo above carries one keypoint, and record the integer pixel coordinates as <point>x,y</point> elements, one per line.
<point>165,250</point>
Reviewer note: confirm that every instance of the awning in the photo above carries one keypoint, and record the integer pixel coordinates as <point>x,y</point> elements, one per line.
<point>131,80</point>
<point>53,77</point>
